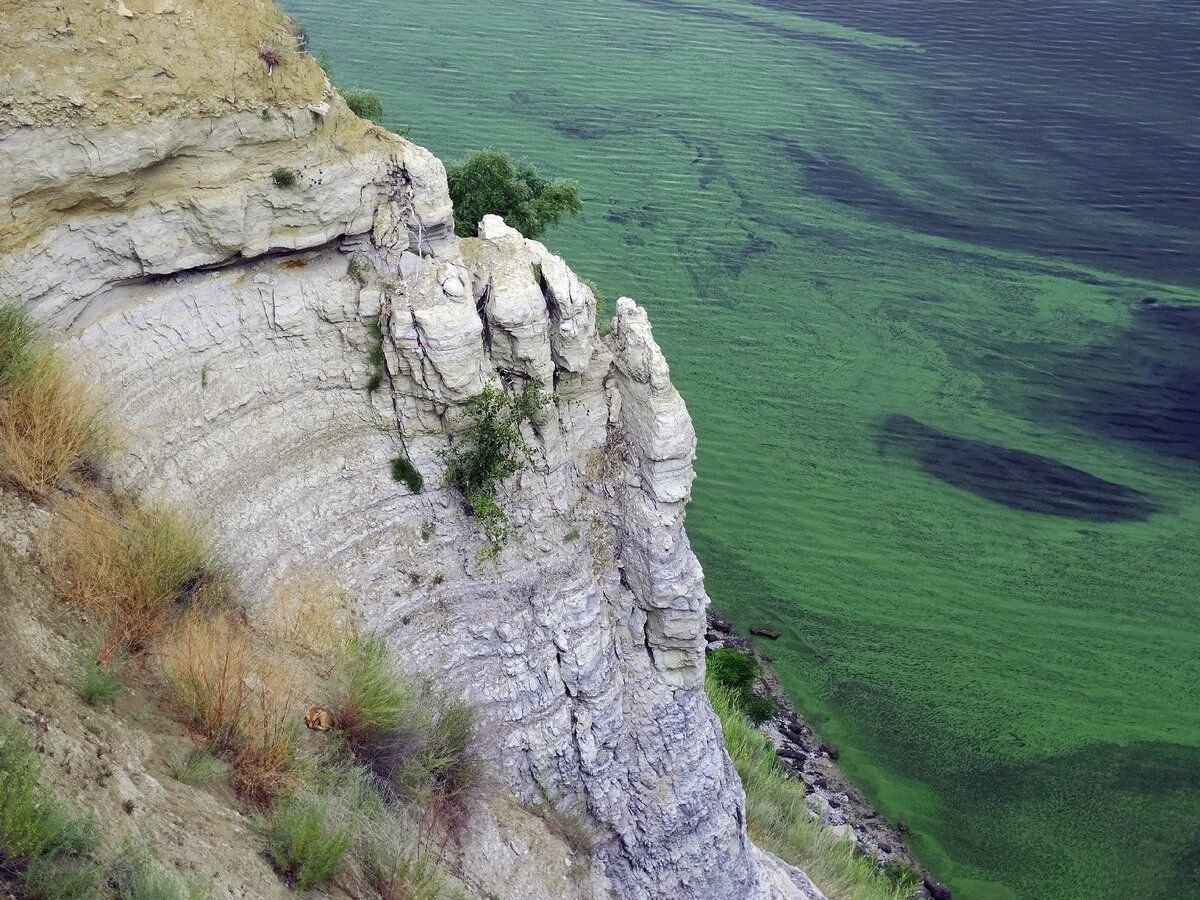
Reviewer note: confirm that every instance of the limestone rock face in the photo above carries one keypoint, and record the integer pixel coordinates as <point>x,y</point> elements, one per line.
<point>238,325</point>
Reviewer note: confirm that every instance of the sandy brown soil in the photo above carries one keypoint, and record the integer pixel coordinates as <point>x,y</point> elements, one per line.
<point>70,62</point>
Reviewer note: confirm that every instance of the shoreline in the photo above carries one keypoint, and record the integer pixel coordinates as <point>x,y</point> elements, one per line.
<point>833,799</point>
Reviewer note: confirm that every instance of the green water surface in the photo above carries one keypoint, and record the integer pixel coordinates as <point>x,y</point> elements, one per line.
<point>810,236</point>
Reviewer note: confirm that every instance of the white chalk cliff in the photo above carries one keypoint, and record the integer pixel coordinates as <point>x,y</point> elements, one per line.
<point>219,311</point>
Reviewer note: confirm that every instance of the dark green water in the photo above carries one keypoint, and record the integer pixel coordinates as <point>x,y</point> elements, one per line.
<point>928,274</point>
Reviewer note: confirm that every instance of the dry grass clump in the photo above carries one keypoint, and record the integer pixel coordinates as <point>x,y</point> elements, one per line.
<point>241,699</point>
<point>309,610</point>
<point>131,571</point>
<point>51,420</point>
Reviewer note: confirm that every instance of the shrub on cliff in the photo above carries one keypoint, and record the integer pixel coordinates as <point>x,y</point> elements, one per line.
<point>364,104</point>
<point>50,418</point>
<point>493,183</point>
<point>737,671</point>
<point>491,450</point>
<point>403,729</point>
<point>130,571</point>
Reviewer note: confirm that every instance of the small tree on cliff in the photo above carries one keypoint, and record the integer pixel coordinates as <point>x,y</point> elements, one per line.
<point>493,183</point>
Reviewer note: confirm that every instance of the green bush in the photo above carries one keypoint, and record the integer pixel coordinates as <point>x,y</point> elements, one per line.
<point>778,820</point>
<point>43,843</point>
<point>403,730</point>
<point>97,682</point>
<point>732,668</point>
<point>491,450</point>
<point>307,836</point>
<point>406,473</point>
<point>737,671</point>
<point>365,104</point>
<point>493,183</point>
<point>371,695</point>
<point>284,178</point>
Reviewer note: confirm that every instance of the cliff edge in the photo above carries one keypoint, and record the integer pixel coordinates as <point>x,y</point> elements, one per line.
<point>232,318</point>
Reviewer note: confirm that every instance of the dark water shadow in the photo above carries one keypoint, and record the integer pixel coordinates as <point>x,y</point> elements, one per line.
<point>1144,387</point>
<point>1014,478</point>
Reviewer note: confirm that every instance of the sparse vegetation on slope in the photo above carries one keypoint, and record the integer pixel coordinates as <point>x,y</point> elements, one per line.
<point>778,818</point>
<point>737,671</point>
<point>364,103</point>
<point>97,681</point>
<point>404,730</point>
<point>45,846</point>
<point>490,182</point>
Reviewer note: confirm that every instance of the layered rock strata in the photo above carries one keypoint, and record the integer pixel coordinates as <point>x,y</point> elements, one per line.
<point>232,318</point>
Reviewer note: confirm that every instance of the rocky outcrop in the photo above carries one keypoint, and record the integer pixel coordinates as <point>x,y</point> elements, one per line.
<point>231,320</point>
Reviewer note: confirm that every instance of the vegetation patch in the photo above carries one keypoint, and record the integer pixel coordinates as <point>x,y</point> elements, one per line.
<point>308,832</point>
<point>491,450</point>
<point>45,846</point>
<point>778,819</point>
<point>284,178</point>
<point>490,182</point>
<point>199,766</point>
<point>364,104</point>
<point>132,875</point>
<point>737,672</point>
<point>406,732</point>
<point>406,473</point>
<point>376,357</point>
<point>98,682</point>
<point>237,696</point>
<point>51,420</point>
<point>132,570</point>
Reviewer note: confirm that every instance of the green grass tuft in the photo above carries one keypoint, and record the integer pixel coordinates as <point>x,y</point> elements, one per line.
<point>376,356</point>
<point>309,831</point>
<point>405,731</point>
<point>134,876</point>
<point>284,178</point>
<point>198,767</point>
<point>737,671</point>
<point>97,682</point>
